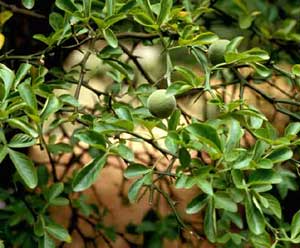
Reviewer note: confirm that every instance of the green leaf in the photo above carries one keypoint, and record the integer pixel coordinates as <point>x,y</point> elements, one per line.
<point>38,227</point>
<point>223,201</point>
<point>234,43</point>
<point>59,201</point>
<point>184,157</point>
<point>3,152</point>
<point>200,39</point>
<point>261,241</point>
<point>24,167</point>
<point>59,148</point>
<point>21,73</point>
<point>125,152</point>
<point>24,126</point>
<point>208,134</point>
<point>280,155</point>
<point>110,37</point>
<point>69,99</point>
<point>234,135</point>
<point>56,21</point>
<point>28,4</point>
<point>145,4</point>
<point>210,221</point>
<point>174,120</point>
<point>112,20</point>
<point>87,175</point>
<point>58,232</point>
<point>254,217</point>
<point>46,242</point>
<point>295,225</point>
<point>27,94</point>
<point>261,69</point>
<point>296,70</point>
<point>165,9</point>
<point>243,160</point>
<point>264,176</point>
<point>245,21</point>
<point>110,7</point>
<point>197,204</point>
<point>123,68</point>
<point>51,106</point>
<point>7,76</point>
<point>55,190</point>
<point>205,186</point>
<point>135,170</point>
<point>5,16</point>
<point>144,20</point>
<point>274,205</point>
<point>87,5</point>
<point>124,113</point>
<point>265,164</point>
<point>92,138</point>
<point>66,5</point>
<point>21,140</point>
<point>134,189</point>
<point>292,129</point>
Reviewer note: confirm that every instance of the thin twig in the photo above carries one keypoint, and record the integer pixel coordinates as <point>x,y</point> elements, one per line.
<point>18,10</point>
<point>138,64</point>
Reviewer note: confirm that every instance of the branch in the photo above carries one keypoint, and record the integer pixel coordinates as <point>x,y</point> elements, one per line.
<point>83,68</point>
<point>21,11</point>
<point>138,65</point>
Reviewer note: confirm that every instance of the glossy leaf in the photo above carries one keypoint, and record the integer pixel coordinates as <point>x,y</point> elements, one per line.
<point>274,205</point>
<point>165,9</point>
<point>184,157</point>
<point>28,4</point>
<point>24,167</point>
<point>296,70</point>
<point>295,225</point>
<point>55,190</point>
<point>207,132</point>
<point>92,138</point>
<point>280,155</point>
<point>210,221</point>
<point>135,189</point>
<point>66,5</point>
<point>136,170</point>
<point>5,16</point>
<point>264,176</point>
<point>7,76</point>
<point>21,140</point>
<point>223,201</point>
<point>87,175</point>
<point>3,152</point>
<point>197,204</point>
<point>24,126</point>
<point>51,106</point>
<point>46,242</point>
<point>254,217</point>
<point>27,94</point>
<point>125,152</point>
<point>21,73</point>
<point>292,129</point>
<point>58,232</point>
<point>110,6</point>
<point>110,37</point>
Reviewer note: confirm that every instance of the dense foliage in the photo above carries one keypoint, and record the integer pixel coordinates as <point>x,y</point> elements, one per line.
<point>242,185</point>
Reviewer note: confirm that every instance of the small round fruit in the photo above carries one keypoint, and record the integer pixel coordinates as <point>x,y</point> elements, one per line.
<point>217,51</point>
<point>160,104</point>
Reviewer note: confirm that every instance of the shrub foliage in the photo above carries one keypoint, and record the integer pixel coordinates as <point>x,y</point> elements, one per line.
<point>243,185</point>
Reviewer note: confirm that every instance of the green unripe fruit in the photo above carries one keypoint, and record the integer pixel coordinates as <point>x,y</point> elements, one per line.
<point>160,104</point>
<point>217,51</point>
